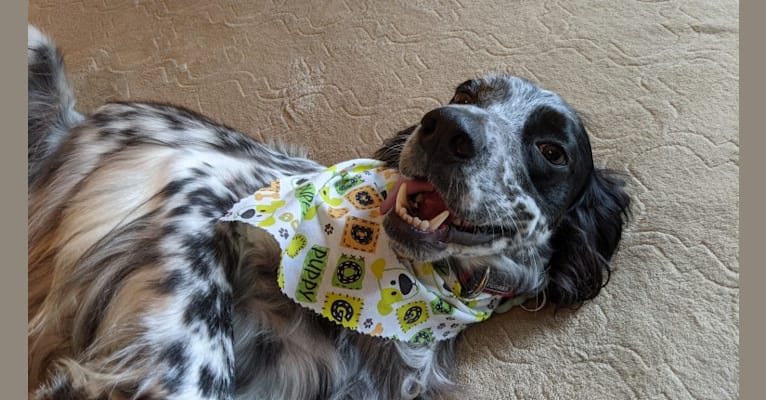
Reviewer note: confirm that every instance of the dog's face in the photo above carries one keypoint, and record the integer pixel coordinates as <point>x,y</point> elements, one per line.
<point>488,179</point>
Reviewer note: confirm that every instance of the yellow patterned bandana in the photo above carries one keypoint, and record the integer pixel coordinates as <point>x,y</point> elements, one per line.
<point>336,258</point>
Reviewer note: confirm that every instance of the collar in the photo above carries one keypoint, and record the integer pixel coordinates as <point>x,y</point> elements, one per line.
<point>474,283</point>
<point>336,259</point>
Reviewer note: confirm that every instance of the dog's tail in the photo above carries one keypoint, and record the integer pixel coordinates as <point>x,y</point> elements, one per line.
<point>51,102</point>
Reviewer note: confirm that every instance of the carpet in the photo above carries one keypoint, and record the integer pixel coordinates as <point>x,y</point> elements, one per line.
<point>656,81</point>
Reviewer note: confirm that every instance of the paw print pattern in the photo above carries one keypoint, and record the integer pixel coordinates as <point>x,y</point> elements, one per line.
<point>368,323</point>
<point>283,232</point>
<point>328,229</point>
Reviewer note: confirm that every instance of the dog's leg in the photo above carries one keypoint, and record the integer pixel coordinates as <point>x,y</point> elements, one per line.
<point>143,310</point>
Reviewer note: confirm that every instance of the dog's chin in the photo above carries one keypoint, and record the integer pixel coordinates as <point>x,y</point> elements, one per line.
<point>413,244</point>
<point>421,245</point>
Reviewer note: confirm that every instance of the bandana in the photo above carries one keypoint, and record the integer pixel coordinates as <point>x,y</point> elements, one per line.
<point>336,259</point>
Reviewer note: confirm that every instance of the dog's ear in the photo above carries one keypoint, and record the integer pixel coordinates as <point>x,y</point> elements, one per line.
<point>392,147</point>
<point>586,238</point>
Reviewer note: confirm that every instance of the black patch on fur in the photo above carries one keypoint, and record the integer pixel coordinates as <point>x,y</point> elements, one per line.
<point>209,213</point>
<point>174,122</point>
<point>129,115</point>
<point>213,308</point>
<point>548,120</point>
<point>106,133</point>
<point>159,107</point>
<point>171,283</point>
<point>176,186</point>
<point>127,132</point>
<point>177,360</point>
<point>169,229</point>
<point>196,244</point>
<point>180,210</point>
<point>101,120</point>
<point>212,385</point>
<point>209,199</point>
<point>233,142</point>
<point>392,147</point>
<point>200,173</point>
<point>469,86</point>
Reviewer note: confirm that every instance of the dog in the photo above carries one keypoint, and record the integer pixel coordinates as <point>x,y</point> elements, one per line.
<point>138,291</point>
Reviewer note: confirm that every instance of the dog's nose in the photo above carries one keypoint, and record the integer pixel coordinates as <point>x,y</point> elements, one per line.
<point>451,134</point>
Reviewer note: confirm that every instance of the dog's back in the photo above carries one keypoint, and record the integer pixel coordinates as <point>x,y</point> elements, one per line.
<point>136,292</point>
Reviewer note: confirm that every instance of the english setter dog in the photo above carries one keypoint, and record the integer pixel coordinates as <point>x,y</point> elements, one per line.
<point>138,291</point>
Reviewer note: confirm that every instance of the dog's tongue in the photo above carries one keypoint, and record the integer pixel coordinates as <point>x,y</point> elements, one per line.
<point>430,204</point>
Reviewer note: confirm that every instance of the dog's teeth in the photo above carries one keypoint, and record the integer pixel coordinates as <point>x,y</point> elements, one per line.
<point>438,220</point>
<point>424,225</point>
<point>401,196</point>
<point>416,222</point>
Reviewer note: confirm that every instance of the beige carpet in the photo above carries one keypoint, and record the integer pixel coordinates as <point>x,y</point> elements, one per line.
<point>657,80</point>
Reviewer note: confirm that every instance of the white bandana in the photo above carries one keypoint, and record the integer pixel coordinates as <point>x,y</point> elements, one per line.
<point>336,259</point>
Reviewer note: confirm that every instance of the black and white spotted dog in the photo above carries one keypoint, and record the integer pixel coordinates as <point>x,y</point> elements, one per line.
<point>136,291</point>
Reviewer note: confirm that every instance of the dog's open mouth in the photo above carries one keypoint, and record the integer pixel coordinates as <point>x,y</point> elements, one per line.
<point>419,213</point>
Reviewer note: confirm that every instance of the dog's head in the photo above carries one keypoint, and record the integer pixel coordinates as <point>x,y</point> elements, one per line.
<point>503,177</point>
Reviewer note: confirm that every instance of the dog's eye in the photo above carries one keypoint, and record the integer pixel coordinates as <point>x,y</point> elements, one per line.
<point>553,153</point>
<point>462,98</point>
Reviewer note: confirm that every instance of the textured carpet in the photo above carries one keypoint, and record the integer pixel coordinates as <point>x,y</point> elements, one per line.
<point>658,84</point>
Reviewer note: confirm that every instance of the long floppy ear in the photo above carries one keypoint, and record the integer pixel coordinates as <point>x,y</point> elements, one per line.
<point>586,238</point>
<point>392,147</point>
